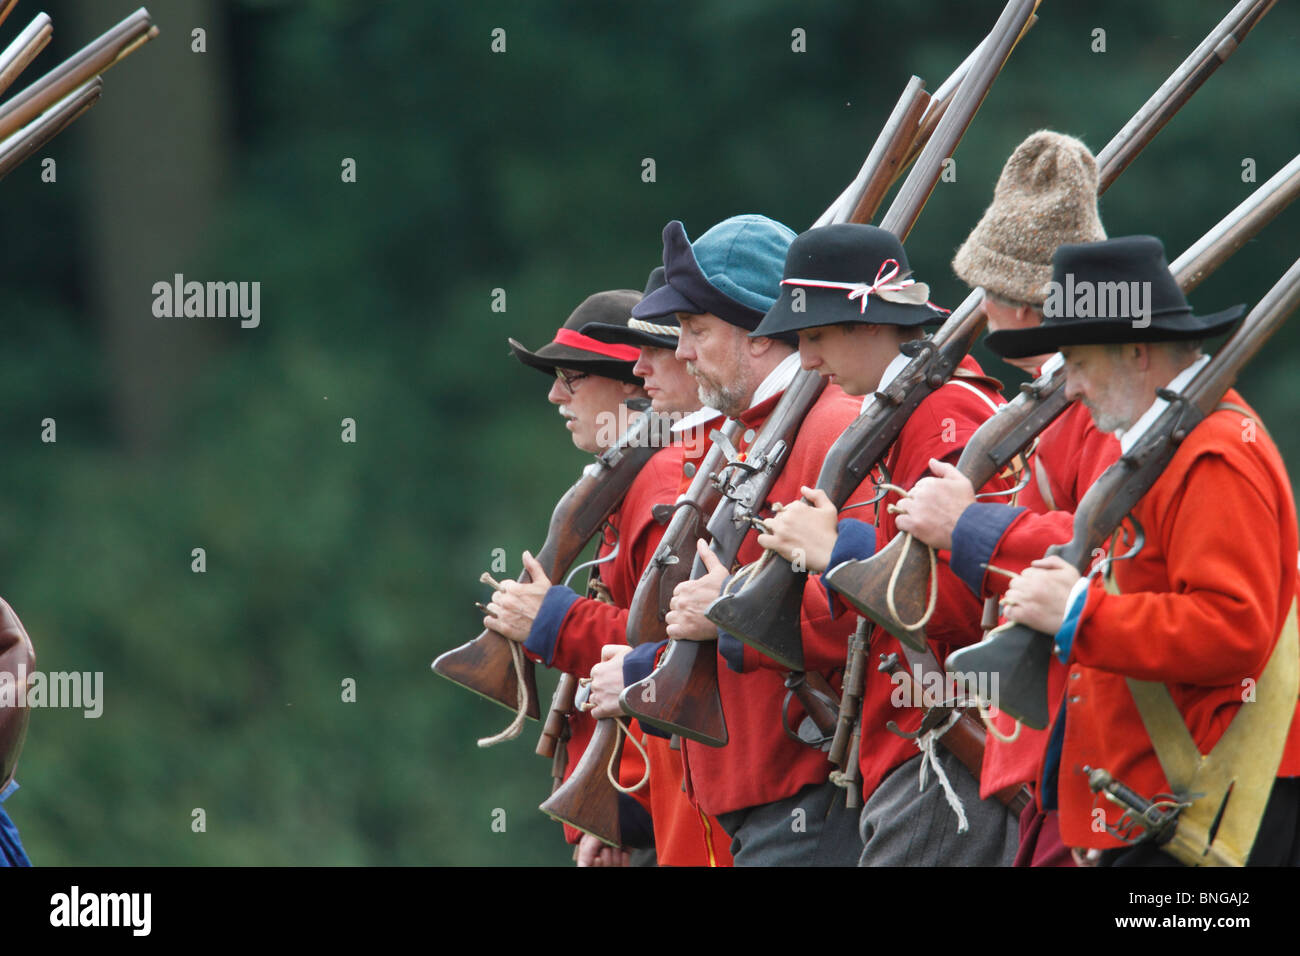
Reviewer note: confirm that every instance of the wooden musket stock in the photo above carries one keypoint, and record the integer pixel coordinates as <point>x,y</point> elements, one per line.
<point>586,801</point>
<point>485,665</point>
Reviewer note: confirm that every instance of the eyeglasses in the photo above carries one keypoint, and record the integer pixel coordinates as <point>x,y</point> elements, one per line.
<point>569,379</point>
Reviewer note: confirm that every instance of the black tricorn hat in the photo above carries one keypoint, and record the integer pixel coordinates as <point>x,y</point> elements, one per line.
<point>662,333</point>
<point>1109,293</point>
<point>571,349</point>
<point>847,273</point>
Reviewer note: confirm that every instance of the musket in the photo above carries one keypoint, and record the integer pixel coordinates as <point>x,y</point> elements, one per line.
<point>486,665</point>
<point>36,134</point>
<point>93,59</point>
<point>765,613</point>
<point>1018,655</point>
<point>24,49</point>
<point>6,8</point>
<point>17,658</point>
<point>867,584</point>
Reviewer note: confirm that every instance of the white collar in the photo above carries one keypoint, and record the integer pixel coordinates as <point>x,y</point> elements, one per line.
<point>1129,438</point>
<point>892,370</point>
<point>777,381</point>
<point>697,417</point>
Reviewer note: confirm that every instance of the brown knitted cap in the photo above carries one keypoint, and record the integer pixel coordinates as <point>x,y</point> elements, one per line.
<point>1045,197</point>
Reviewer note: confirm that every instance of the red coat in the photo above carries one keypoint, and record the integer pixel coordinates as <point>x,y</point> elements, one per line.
<point>760,764</point>
<point>939,428</point>
<point>1200,608</point>
<point>1071,453</point>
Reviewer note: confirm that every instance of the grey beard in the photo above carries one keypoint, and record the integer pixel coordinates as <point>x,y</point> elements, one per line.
<point>730,400</point>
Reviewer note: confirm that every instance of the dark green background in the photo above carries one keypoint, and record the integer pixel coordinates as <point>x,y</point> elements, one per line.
<point>476,171</point>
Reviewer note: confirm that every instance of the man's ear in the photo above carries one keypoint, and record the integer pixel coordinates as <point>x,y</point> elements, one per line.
<point>758,347</point>
<point>1027,317</point>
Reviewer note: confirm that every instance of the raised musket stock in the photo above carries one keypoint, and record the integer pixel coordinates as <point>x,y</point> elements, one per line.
<point>485,665</point>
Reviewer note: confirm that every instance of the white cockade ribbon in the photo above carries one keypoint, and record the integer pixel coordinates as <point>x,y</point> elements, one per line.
<point>887,286</point>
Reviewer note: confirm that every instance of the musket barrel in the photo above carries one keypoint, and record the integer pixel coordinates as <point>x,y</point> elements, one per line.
<point>91,60</point>
<point>921,181</point>
<point>1237,227</point>
<point>1208,56</point>
<point>32,137</point>
<point>24,48</point>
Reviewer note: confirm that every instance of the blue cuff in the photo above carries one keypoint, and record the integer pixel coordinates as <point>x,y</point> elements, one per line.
<point>638,664</point>
<point>1073,610</point>
<point>545,632</point>
<point>975,537</point>
<point>634,824</point>
<point>732,651</point>
<point>856,542</point>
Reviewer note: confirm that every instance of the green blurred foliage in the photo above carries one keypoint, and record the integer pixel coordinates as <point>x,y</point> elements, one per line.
<point>476,171</point>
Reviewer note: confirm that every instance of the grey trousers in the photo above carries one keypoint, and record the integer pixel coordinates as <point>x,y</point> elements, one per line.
<point>903,825</point>
<point>811,828</point>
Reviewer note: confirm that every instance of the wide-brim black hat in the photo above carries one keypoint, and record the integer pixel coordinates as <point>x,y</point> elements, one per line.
<point>1111,293</point>
<point>840,274</point>
<point>572,349</point>
<point>663,333</point>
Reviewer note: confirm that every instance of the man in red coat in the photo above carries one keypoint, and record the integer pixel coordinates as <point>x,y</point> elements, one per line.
<point>1201,622</point>
<point>850,296</point>
<point>557,626</point>
<point>1046,196</point>
<point>768,791</point>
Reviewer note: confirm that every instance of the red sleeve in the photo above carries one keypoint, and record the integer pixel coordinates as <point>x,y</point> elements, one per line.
<point>589,624</point>
<point>1215,622</point>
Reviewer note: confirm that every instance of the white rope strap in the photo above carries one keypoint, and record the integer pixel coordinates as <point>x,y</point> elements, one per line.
<point>927,743</point>
<point>898,567</point>
<point>983,707</point>
<point>521,696</point>
<point>609,768</point>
